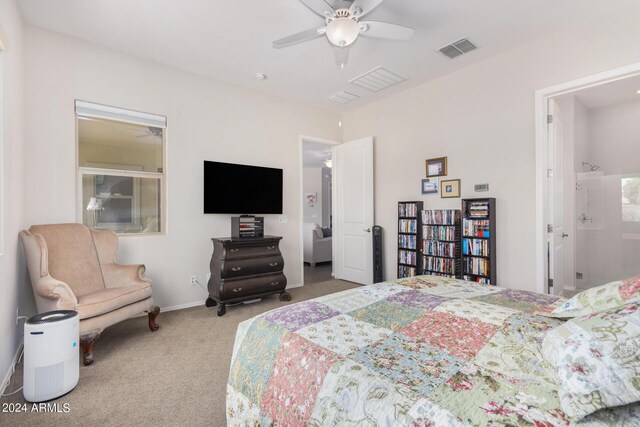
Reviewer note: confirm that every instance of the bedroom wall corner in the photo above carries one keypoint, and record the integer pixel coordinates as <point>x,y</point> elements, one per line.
<point>13,283</point>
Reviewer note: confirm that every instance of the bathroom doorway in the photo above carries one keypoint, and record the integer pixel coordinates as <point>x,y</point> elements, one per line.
<point>594,186</point>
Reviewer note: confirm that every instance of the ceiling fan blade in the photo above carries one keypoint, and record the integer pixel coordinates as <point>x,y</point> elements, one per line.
<point>342,55</point>
<point>384,30</point>
<point>319,7</point>
<point>301,37</point>
<point>365,6</point>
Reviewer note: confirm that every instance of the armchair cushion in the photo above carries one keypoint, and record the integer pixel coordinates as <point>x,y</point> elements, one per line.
<point>72,256</point>
<point>110,299</point>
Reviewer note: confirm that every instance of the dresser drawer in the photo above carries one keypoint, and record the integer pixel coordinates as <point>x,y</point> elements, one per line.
<point>251,266</point>
<point>240,251</point>
<point>232,289</point>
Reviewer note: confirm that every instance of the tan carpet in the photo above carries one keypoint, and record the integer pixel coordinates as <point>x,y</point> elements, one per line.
<point>176,376</point>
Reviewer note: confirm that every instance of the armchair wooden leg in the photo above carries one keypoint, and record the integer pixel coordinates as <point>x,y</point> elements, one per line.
<point>86,344</point>
<point>153,313</point>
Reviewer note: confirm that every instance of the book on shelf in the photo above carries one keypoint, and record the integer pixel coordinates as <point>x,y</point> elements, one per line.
<point>441,217</point>
<point>441,265</point>
<point>476,227</point>
<point>409,238</point>
<point>408,225</point>
<point>408,241</point>
<point>479,209</point>
<point>407,257</point>
<point>442,249</point>
<point>439,232</point>
<point>406,271</point>
<point>408,209</point>
<point>479,240</point>
<point>475,247</point>
<point>477,279</point>
<point>476,266</point>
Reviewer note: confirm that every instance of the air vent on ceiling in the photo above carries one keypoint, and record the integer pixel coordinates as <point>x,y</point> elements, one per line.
<point>377,79</point>
<point>457,48</point>
<point>343,97</point>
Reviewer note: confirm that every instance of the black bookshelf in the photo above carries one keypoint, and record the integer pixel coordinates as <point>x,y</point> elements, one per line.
<point>440,245</point>
<point>409,237</point>
<point>479,240</point>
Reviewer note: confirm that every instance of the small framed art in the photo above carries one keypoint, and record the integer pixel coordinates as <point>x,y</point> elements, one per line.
<point>430,186</point>
<point>437,167</point>
<point>450,188</point>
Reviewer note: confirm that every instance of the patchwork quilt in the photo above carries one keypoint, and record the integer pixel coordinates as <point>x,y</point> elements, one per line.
<point>420,351</point>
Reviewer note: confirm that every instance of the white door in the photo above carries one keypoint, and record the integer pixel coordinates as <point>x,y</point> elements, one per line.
<point>555,230</point>
<point>353,203</point>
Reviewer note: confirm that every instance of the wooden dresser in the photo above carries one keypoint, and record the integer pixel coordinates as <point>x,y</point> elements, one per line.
<point>245,269</point>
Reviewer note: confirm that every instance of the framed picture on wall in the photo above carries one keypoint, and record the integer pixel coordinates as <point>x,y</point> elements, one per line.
<point>430,186</point>
<point>437,167</point>
<point>450,188</point>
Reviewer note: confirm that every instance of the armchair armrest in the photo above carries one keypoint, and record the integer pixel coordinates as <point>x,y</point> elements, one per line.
<point>57,295</point>
<point>117,275</point>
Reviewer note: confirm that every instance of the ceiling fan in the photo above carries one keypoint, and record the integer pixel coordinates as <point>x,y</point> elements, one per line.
<point>343,26</point>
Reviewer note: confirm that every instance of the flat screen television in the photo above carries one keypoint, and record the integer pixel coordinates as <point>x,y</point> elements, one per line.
<point>241,189</point>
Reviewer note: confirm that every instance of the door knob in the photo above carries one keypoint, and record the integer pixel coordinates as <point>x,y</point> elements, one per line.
<point>368,230</point>
<point>564,235</point>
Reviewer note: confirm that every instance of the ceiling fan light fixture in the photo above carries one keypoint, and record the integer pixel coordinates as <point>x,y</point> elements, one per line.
<point>342,31</point>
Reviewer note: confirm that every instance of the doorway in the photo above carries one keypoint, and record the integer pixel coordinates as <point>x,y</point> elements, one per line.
<point>317,217</point>
<point>588,164</point>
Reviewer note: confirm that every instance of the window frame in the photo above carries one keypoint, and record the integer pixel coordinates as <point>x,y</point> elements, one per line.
<point>83,171</point>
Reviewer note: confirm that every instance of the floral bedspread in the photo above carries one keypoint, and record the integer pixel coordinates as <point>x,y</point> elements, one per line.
<point>421,351</point>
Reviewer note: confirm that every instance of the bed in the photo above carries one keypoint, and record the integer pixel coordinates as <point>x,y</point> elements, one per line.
<point>420,351</point>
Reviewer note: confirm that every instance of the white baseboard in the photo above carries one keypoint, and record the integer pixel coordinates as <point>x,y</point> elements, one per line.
<point>181,306</point>
<point>196,303</point>
<point>12,368</point>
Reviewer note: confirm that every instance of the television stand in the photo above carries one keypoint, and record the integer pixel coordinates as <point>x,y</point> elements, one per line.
<point>245,269</point>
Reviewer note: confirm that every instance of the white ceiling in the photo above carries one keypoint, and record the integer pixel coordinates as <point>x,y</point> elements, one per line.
<point>314,154</point>
<point>617,92</point>
<point>231,40</point>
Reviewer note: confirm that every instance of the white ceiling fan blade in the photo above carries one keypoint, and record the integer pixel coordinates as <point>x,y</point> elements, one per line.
<point>384,30</point>
<point>365,7</point>
<point>342,55</point>
<point>301,37</point>
<point>319,7</point>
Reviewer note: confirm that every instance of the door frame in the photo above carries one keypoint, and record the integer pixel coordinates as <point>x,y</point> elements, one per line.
<point>329,143</point>
<point>542,97</point>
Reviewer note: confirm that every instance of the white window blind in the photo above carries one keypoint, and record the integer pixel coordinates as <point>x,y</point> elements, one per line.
<point>98,111</point>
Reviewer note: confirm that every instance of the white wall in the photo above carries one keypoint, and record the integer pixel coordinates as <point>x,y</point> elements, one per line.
<point>608,248</point>
<point>13,286</point>
<point>312,183</point>
<point>482,118</point>
<point>614,138</point>
<point>207,120</point>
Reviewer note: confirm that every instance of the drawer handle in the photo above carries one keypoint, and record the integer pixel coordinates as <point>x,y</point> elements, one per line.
<point>273,264</point>
<point>275,283</point>
<point>236,268</point>
<point>271,247</point>
<point>234,250</point>
<point>237,289</point>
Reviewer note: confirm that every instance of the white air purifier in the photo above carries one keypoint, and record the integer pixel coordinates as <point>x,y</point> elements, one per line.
<point>51,355</point>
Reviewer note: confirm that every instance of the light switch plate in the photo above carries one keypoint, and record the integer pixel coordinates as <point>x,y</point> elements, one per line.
<point>283,219</point>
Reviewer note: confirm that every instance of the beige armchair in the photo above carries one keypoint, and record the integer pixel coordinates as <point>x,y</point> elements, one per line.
<point>73,267</point>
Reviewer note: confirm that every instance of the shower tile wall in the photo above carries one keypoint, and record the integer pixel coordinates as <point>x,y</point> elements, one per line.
<point>607,245</point>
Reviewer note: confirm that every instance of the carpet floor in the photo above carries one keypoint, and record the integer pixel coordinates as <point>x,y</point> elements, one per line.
<point>176,376</point>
